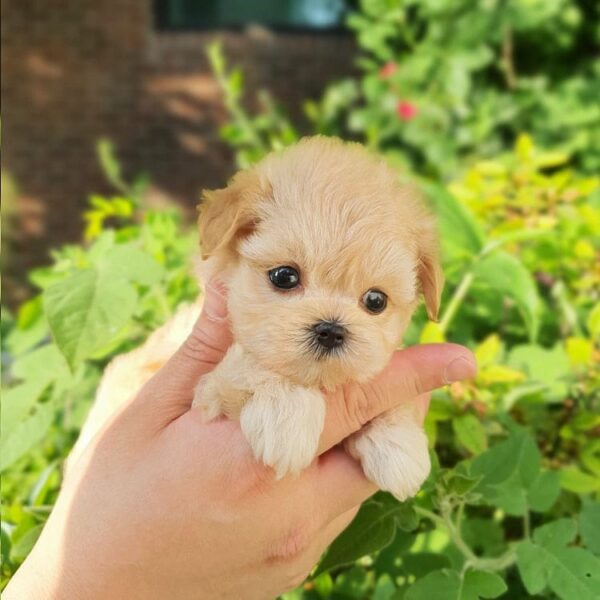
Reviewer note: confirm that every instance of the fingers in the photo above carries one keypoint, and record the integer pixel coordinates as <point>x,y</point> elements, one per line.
<point>169,393</point>
<point>412,373</point>
<point>422,406</point>
<point>341,483</point>
<point>330,531</point>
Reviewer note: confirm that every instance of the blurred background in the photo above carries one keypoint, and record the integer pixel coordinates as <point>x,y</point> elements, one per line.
<point>136,72</point>
<point>456,78</point>
<point>116,114</point>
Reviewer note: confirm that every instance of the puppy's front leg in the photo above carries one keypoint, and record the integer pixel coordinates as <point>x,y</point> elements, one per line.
<point>226,388</point>
<point>393,452</point>
<point>283,423</point>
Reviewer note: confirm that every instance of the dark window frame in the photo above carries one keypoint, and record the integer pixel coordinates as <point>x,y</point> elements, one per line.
<point>162,25</point>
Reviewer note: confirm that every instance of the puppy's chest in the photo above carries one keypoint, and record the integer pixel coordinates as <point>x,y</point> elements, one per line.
<point>240,375</point>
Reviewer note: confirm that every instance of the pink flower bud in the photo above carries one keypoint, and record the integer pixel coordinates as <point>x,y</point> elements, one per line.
<point>387,70</point>
<point>406,110</point>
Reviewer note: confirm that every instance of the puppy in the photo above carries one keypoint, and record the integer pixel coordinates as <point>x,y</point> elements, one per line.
<point>324,253</point>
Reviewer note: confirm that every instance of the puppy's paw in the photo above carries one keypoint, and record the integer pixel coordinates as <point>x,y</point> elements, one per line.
<point>394,455</point>
<point>283,424</point>
<point>206,398</point>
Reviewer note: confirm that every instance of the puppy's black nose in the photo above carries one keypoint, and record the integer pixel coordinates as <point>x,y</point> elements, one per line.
<point>329,334</point>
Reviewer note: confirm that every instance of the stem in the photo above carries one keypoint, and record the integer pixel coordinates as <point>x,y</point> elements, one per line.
<point>456,536</point>
<point>459,515</point>
<point>526,525</point>
<point>430,515</point>
<point>507,60</point>
<point>237,112</point>
<point>472,560</point>
<point>163,303</point>
<point>455,301</point>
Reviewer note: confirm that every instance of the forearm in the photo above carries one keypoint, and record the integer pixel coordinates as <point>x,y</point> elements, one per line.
<point>31,581</point>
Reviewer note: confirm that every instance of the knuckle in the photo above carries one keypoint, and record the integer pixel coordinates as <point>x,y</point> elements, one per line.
<point>291,546</point>
<point>251,478</point>
<point>200,347</point>
<point>360,403</point>
<point>260,477</point>
<point>414,385</point>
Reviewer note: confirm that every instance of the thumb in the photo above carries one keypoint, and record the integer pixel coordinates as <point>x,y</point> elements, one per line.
<point>171,389</point>
<point>409,377</point>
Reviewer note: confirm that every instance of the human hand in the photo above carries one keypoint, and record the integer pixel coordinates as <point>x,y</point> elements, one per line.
<point>161,505</point>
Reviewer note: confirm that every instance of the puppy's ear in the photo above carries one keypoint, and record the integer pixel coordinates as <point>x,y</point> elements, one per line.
<point>429,271</point>
<point>229,213</point>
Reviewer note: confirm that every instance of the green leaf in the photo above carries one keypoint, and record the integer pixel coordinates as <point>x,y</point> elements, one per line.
<point>5,544</point>
<point>23,546</point>
<point>86,310</point>
<point>128,262</point>
<point>352,584</point>
<point>45,481</point>
<point>576,481</point>
<point>323,585</point>
<point>43,365</point>
<point>546,366</point>
<point>508,470</point>
<point>391,558</point>
<point>461,235</point>
<point>543,491</point>
<point>593,322</point>
<point>484,536</point>
<point>38,369</point>
<point>589,525</point>
<point>17,403</point>
<point>25,435</point>
<point>373,528</point>
<point>384,588</point>
<point>557,533</point>
<point>571,573</point>
<point>449,585</point>
<point>31,327</point>
<point>470,433</point>
<point>420,564</point>
<point>110,165</point>
<point>508,276</point>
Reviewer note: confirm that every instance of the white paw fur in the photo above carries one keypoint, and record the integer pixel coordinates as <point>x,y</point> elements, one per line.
<point>206,398</point>
<point>393,452</point>
<point>282,424</point>
<point>224,390</point>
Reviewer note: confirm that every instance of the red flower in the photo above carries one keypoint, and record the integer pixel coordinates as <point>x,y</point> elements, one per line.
<point>406,110</point>
<point>387,70</point>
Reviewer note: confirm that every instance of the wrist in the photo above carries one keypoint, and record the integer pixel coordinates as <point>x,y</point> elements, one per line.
<point>30,581</point>
<point>44,575</point>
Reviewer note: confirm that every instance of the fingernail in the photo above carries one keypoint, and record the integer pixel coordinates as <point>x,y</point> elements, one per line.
<point>460,368</point>
<point>215,306</point>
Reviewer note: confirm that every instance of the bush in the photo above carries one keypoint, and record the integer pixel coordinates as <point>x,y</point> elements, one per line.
<point>446,80</point>
<point>511,507</point>
<point>96,300</point>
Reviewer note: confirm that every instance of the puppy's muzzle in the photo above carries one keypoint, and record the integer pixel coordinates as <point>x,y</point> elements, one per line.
<point>329,334</point>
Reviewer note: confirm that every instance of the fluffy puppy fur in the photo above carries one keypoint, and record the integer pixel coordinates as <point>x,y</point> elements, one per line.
<point>341,219</point>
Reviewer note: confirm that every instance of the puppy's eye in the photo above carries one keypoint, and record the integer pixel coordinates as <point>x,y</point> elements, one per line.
<point>374,301</point>
<point>285,278</point>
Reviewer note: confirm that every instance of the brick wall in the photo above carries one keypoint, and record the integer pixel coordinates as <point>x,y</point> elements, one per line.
<point>77,70</point>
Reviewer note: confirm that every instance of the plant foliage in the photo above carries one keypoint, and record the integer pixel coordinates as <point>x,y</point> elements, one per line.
<point>445,90</point>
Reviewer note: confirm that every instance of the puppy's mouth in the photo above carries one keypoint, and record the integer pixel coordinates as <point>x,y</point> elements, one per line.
<point>327,339</point>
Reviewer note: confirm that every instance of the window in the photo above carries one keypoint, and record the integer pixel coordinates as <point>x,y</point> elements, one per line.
<point>318,15</point>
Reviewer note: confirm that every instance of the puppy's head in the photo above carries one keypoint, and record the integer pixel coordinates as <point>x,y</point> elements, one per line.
<point>325,254</point>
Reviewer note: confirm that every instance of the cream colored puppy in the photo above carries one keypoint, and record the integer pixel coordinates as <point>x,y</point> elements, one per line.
<point>324,253</point>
